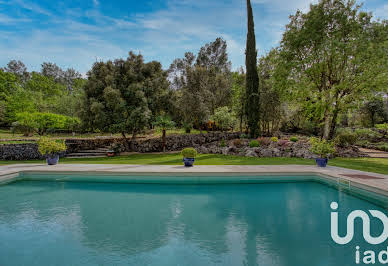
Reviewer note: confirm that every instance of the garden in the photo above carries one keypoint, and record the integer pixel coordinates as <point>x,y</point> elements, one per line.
<point>280,109</point>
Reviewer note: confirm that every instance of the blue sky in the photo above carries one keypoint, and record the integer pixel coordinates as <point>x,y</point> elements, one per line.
<point>79,32</point>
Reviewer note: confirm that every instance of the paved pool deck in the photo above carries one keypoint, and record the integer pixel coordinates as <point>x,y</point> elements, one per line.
<point>371,181</point>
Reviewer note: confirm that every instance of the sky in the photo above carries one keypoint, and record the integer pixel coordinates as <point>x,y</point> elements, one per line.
<point>75,34</point>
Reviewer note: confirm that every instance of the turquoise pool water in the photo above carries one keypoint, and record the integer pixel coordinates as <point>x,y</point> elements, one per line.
<point>85,223</point>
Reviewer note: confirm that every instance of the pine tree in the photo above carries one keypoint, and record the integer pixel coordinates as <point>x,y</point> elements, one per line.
<point>252,78</point>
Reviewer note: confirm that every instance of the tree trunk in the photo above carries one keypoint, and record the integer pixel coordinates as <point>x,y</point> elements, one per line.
<point>164,140</point>
<point>326,125</point>
<point>133,139</point>
<point>334,122</point>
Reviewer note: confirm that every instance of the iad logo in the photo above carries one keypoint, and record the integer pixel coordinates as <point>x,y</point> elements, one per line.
<point>368,256</point>
<point>365,226</point>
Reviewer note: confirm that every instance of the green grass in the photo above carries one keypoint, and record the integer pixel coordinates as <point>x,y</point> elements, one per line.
<point>376,165</point>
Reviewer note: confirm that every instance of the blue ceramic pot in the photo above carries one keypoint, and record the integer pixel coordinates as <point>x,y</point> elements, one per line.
<point>188,161</point>
<point>321,162</point>
<point>52,159</point>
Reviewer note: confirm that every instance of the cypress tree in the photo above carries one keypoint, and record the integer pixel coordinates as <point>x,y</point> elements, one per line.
<point>252,78</point>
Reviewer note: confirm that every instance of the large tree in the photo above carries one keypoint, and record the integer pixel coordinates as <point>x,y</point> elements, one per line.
<point>334,55</point>
<point>252,78</point>
<point>203,82</point>
<point>122,95</point>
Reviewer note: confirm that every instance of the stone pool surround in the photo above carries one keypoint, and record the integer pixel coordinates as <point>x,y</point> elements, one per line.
<point>378,183</point>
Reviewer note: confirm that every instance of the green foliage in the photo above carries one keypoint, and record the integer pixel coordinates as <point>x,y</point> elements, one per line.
<point>124,96</point>
<point>44,122</point>
<point>164,122</point>
<point>224,118</point>
<point>332,57</point>
<point>345,138</point>
<point>366,134</point>
<point>294,139</point>
<point>202,82</point>
<point>252,78</point>
<point>322,147</point>
<point>274,139</point>
<point>222,143</point>
<point>47,146</point>
<point>189,153</point>
<point>254,143</point>
<point>382,126</point>
<point>243,136</point>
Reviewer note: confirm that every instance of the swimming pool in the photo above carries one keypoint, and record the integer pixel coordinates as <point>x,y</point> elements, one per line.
<point>212,223</point>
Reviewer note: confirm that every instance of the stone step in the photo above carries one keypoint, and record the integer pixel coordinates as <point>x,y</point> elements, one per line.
<point>86,154</point>
<point>93,151</point>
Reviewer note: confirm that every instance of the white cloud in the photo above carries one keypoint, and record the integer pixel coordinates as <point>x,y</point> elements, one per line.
<point>33,7</point>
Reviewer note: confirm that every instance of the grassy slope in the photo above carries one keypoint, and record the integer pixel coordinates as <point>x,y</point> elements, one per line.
<point>366,164</point>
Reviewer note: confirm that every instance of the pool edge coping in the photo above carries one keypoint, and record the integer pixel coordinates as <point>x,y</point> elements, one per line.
<point>379,186</point>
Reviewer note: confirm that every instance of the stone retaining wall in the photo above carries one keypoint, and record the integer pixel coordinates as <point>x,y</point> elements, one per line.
<point>26,151</point>
<point>29,151</point>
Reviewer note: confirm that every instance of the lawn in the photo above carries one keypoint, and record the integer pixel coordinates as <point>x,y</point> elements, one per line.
<point>376,165</point>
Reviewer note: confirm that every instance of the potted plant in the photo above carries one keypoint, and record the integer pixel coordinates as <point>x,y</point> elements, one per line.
<point>114,149</point>
<point>323,149</point>
<point>189,155</point>
<point>51,149</point>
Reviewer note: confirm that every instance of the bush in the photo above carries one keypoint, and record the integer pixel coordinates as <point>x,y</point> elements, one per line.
<point>263,141</point>
<point>189,153</point>
<point>282,142</point>
<point>321,147</point>
<point>43,122</point>
<point>243,136</point>
<point>47,146</point>
<point>222,144</point>
<point>294,139</point>
<point>382,147</point>
<point>237,143</point>
<point>254,144</point>
<point>345,138</point>
<point>224,118</point>
<point>366,134</point>
<point>274,139</point>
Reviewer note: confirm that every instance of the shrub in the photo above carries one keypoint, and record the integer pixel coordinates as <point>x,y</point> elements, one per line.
<point>254,144</point>
<point>321,147</point>
<point>224,118</point>
<point>382,147</point>
<point>222,144</point>
<point>189,153</point>
<point>47,146</point>
<point>237,143</point>
<point>345,138</point>
<point>43,122</point>
<point>294,139</point>
<point>366,134</point>
<point>263,141</point>
<point>274,139</point>
<point>282,142</point>
<point>243,136</point>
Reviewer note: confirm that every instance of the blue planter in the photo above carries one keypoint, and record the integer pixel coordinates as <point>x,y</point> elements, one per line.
<point>188,161</point>
<point>321,162</point>
<point>52,159</point>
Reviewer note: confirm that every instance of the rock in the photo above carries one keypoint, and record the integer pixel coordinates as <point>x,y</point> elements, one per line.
<point>250,153</point>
